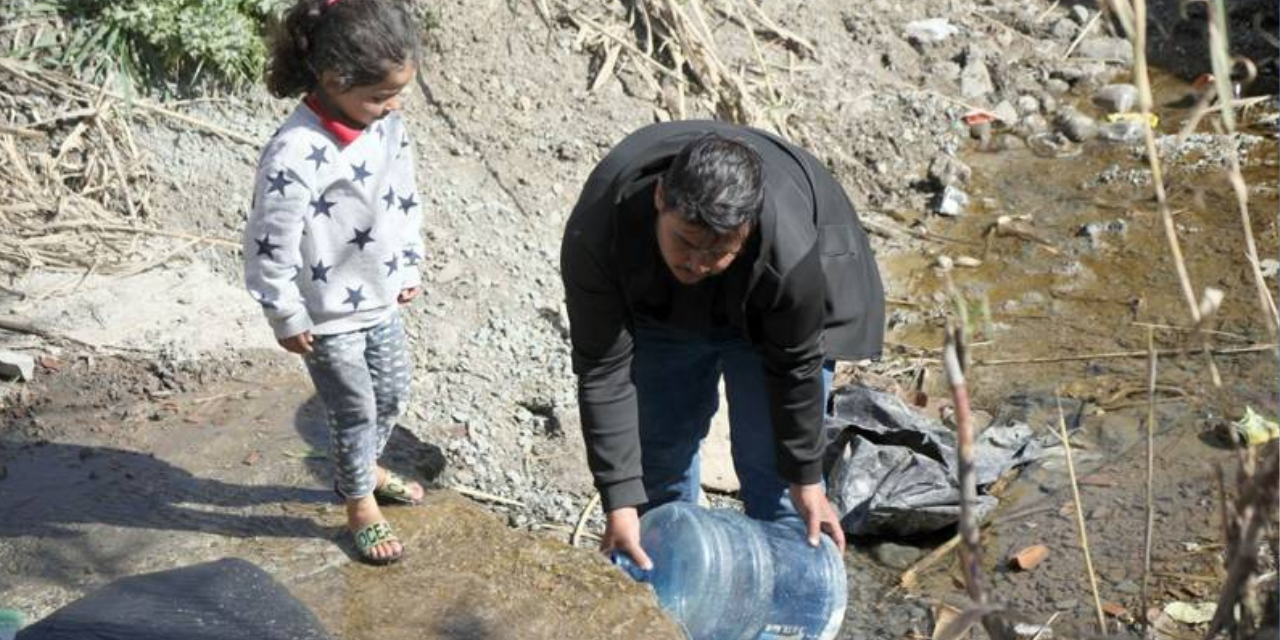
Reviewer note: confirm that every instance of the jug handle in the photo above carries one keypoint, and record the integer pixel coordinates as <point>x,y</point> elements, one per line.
<point>624,562</point>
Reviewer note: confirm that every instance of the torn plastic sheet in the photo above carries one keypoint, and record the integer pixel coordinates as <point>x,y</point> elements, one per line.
<point>892,471</point>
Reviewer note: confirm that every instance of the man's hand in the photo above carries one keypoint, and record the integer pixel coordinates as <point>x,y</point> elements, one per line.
<point>622,532</point>
<point>299,344</point>
<point>811,501</point>
<point>407,295</point>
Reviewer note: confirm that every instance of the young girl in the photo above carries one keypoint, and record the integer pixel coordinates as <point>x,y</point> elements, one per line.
<point>332,243</point>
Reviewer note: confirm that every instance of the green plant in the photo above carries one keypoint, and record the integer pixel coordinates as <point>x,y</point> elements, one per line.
<point>151,40</point>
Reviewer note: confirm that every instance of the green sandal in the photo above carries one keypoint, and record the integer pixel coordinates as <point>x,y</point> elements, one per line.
<point>395,491</point>
<point>373,535</point>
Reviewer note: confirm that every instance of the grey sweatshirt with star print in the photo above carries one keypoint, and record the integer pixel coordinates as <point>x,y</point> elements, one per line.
<point>334,233</point>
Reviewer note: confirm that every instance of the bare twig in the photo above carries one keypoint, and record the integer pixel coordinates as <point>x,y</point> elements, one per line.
<point>1152,359</point>
<point>1079,509</point>
<point>1083,32</point>
<point>143,231</point>
<point>971,552</point>
<point>487,497</point>
<point>1217,351</point>
<point>1047,624</point>
<point>145,105</point>
<point>582,519</point>
<point>20,131</point>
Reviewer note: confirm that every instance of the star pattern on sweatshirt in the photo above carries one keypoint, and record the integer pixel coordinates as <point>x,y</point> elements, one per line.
<point>278,183</point>
<point>266,247</point>
<point>264,299</point>
<point>278,179</point>
<point>407,203</point>
<point>362,237</point>
<point>321,207</point>
<point>320,272</point>
<point>361,172</point>
<point>354,297</point>
<point>318,156</point>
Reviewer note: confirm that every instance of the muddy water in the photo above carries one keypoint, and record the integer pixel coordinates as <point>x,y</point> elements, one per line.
<point>1054,293</point>
<point>1052,290</point>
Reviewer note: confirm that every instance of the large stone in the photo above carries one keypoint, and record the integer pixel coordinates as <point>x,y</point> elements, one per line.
<point>1028,105</point>
<point>1123,132</point>
<point>1106,48</point>
<point>946,171</point>
<point>17,366</point>
<point>1065,29</point>
<point>931,30</point>
<point>1076,126</point>
<point>1006,112</point>
<point>896,556</point>
<point>1116,98</point>
<point>951,201</point>
<point>975,80</point>
<point>1056,87</point>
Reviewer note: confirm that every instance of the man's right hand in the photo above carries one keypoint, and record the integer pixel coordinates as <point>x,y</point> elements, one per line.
<point>622,533</point>
<point>299,344</point>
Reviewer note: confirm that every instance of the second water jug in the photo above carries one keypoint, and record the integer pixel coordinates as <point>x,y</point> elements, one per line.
<point>724,576</point>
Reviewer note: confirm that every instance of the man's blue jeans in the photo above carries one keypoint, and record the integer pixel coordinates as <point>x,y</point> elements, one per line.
<point>676,373</point>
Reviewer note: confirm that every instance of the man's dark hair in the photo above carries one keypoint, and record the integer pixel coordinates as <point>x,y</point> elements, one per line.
<point>716,182</point>
<point>360,41</point>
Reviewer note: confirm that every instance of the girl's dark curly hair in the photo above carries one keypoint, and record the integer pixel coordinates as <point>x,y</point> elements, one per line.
<point>359,41</point>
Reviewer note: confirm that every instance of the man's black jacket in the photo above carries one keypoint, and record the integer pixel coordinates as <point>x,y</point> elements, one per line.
<point>804,289</point>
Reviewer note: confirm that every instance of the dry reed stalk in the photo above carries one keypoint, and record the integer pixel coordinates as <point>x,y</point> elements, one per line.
<point>677,43</point>
<point>486,497</point>
<point>1218,351</point>
<point>1133,16</point>
<point>1148,504</point>
<point>1079,509</point>
<point>954,359</point>
<point>1088,28</point>
<point>971,551</point>
<point>1222,62</point>
<point>582,519</point>
<point>80,205</point>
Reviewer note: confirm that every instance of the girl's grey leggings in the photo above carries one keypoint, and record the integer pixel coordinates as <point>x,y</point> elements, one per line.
<point>363,378</point>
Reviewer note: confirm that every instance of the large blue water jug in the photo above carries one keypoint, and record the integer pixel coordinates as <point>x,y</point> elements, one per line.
<point>724,576</point>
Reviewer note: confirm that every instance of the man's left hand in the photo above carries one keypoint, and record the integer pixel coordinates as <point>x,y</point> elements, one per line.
<point>811,501</point>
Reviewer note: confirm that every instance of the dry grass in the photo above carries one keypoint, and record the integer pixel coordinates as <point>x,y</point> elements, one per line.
<point>75,190</point>
<point>673,48</point>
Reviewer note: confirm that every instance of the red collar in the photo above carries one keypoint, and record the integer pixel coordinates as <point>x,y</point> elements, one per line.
<point>346,134</point>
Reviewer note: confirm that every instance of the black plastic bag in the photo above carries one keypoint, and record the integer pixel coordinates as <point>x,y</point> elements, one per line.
<point>230,599</point>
